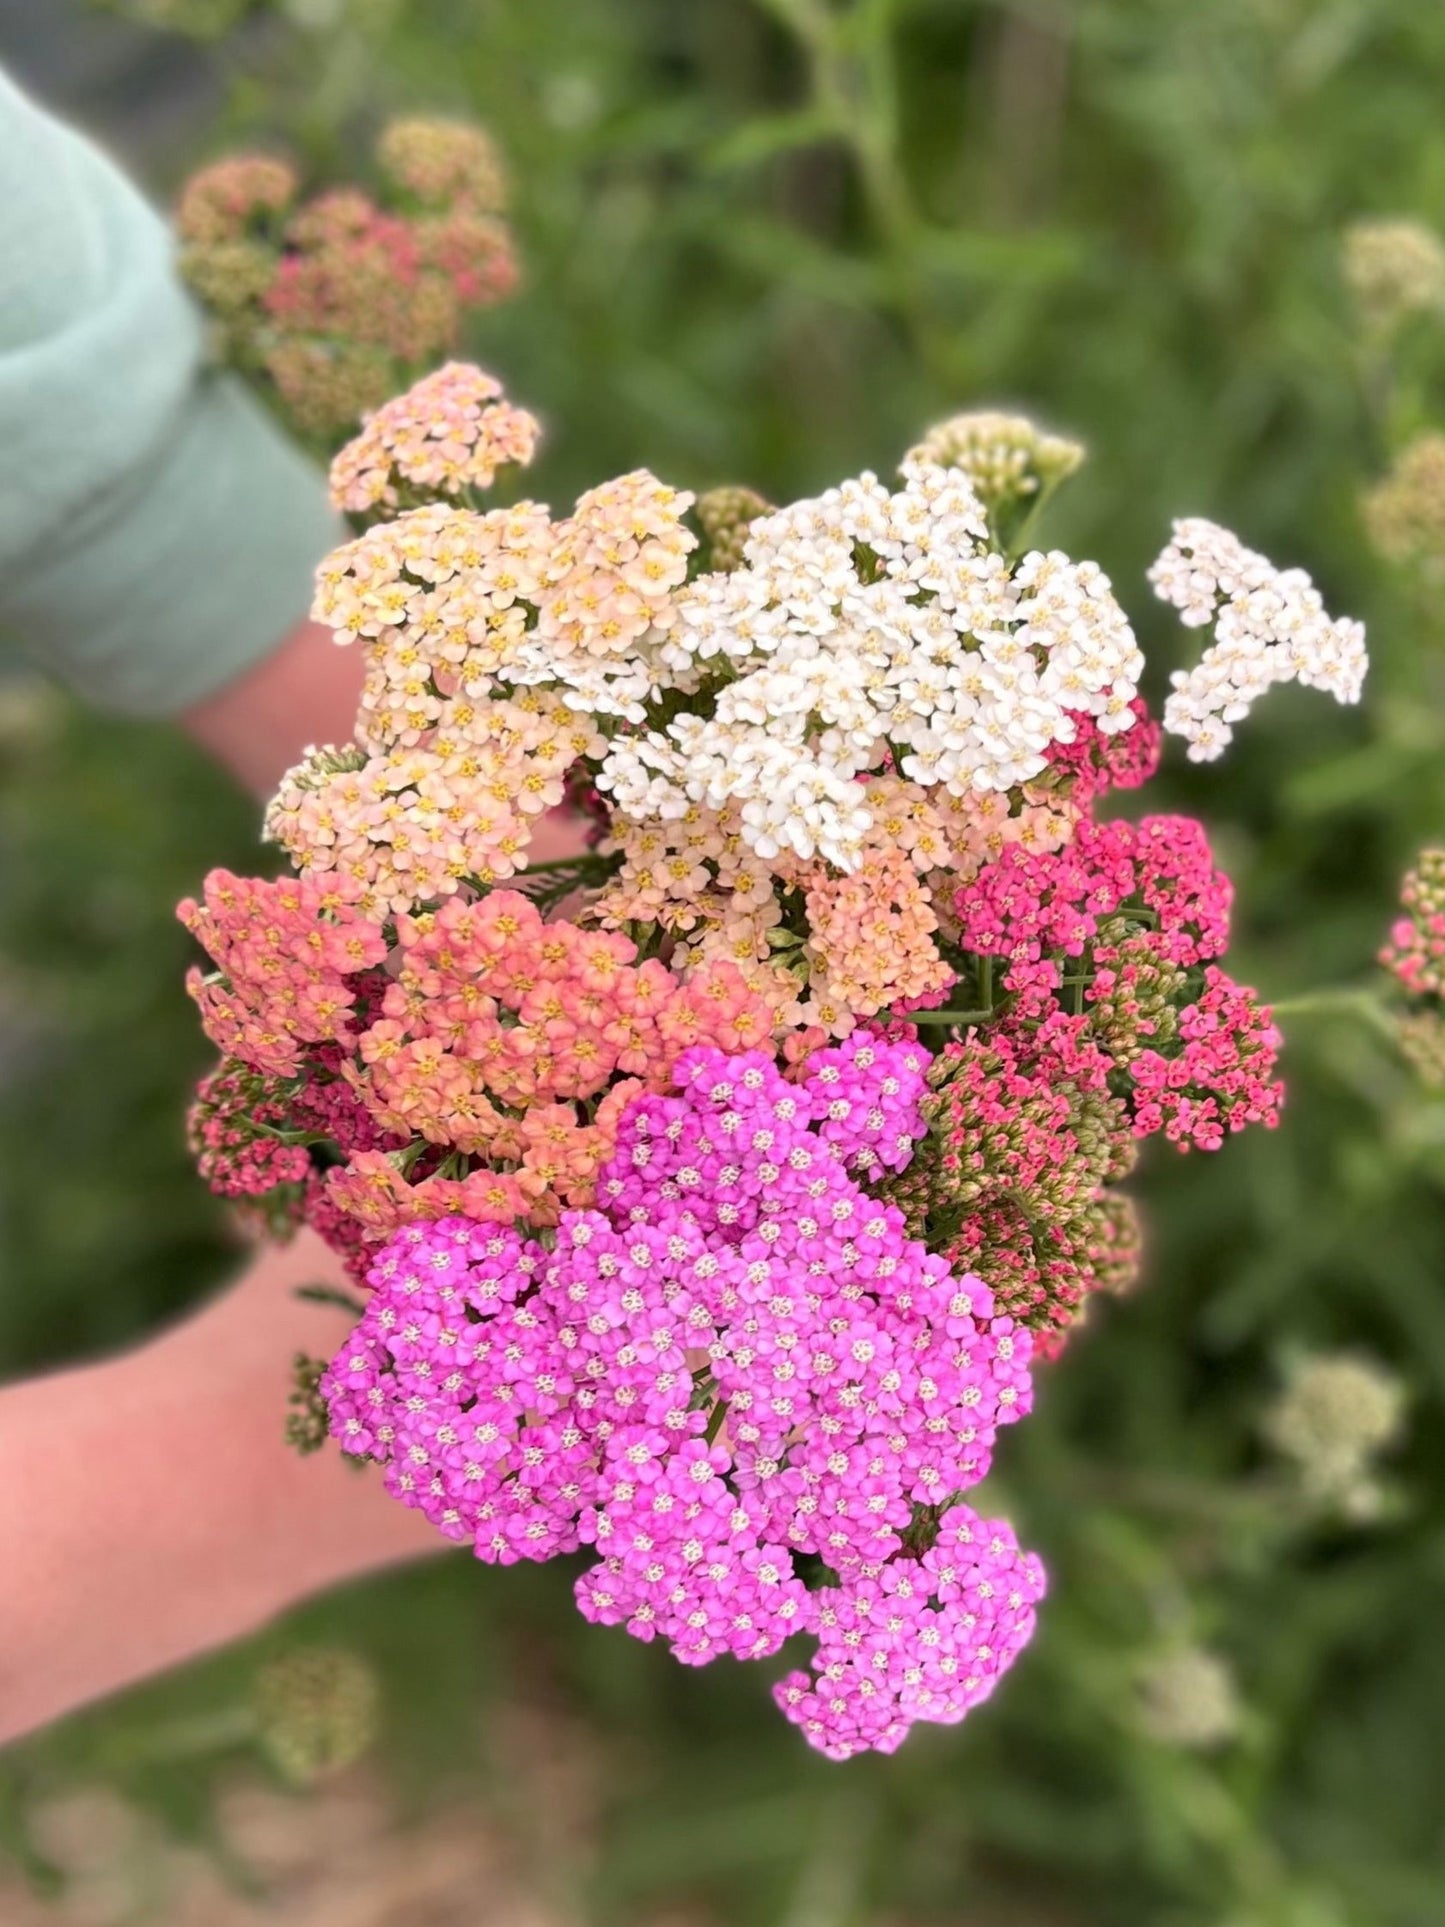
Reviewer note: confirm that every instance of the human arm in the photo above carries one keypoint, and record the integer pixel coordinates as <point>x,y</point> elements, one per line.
<point>151,1509</point>
<point>158,533</point>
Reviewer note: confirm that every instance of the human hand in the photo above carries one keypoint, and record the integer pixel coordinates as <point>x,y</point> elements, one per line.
<point>151,1509</point>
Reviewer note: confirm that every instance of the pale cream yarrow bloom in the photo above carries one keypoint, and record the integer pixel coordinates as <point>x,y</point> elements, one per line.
<point>613,567</point>
<point>1270,626</point>
<point>447,434</point>
<point>438,598</point>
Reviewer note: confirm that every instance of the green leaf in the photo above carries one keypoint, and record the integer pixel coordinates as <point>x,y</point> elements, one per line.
<point>769,135</point>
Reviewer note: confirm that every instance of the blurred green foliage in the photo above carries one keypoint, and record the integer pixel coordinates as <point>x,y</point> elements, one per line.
<point>766,241</point>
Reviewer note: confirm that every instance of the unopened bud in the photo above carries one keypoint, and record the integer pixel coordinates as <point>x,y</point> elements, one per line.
<point>1010,460</point>
<point>726,515</point>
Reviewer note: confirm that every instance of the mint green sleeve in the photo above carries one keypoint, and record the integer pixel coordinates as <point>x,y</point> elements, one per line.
<point>158,533</point>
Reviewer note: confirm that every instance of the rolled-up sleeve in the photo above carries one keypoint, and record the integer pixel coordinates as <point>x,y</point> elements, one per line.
<point>158,533</point>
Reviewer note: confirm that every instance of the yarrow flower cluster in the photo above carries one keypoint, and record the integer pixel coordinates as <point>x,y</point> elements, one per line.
<point>1415,953</point>
<point>714,1183</point>
<point>1415,958</point>
<point>447,436</point>
<point>736,1376</point>
<point>1395,269</point>
<point>1270,626</point>
<point>1332,1419</point>
<point>866,626</point>
<point>334,302</point>
<point>1405,511</point>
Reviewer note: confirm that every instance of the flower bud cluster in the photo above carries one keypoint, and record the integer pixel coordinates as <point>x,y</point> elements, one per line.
<point>725,515</point>
<point>1012,463</point>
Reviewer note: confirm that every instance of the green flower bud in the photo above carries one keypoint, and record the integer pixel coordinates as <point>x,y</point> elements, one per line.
<point>726,514</point>
<point>1011,461</point>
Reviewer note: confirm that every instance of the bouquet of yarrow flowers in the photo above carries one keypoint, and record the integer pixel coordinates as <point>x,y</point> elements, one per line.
<point>713,1185</point>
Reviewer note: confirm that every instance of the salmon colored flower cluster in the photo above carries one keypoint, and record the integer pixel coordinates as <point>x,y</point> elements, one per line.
<point>516,1042</point>
<point>715,1182</point>
<point>872,936</point>
<point>447,436</point>
<point>288,955</point>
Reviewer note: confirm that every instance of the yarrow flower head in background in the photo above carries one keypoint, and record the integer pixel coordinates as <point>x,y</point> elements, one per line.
<point>1415,959</point>
<point>1335,1415</point>
<point>1405,510</point>
<point>335,302</point>
<point>1188,1698</point>
<point>715,1187</point>
<point>1395,270</point>
<point>201,19</point>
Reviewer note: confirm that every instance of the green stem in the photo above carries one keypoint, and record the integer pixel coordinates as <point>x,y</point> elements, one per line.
<point>1019,538</point>
<point>853,80</point>
<point>1367,1005</point>
<point>331,1295</point>
<point>943,1016</point>
<point>192,1737</point>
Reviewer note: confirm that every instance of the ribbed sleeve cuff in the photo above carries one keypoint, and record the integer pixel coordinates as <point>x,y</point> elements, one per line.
<point>172,586</point>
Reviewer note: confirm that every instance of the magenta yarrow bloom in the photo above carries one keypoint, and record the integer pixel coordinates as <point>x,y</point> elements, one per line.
<point>738,1380</point>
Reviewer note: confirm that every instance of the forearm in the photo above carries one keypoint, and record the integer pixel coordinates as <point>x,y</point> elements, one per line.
<point>306,691</point>
<point>152,1510</point>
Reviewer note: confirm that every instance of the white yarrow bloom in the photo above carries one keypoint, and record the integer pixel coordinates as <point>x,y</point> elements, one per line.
<point>866,623</point>
<point>1270,626</point>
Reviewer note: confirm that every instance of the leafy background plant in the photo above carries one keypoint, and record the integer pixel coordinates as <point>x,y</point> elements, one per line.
<point>766,241</point>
